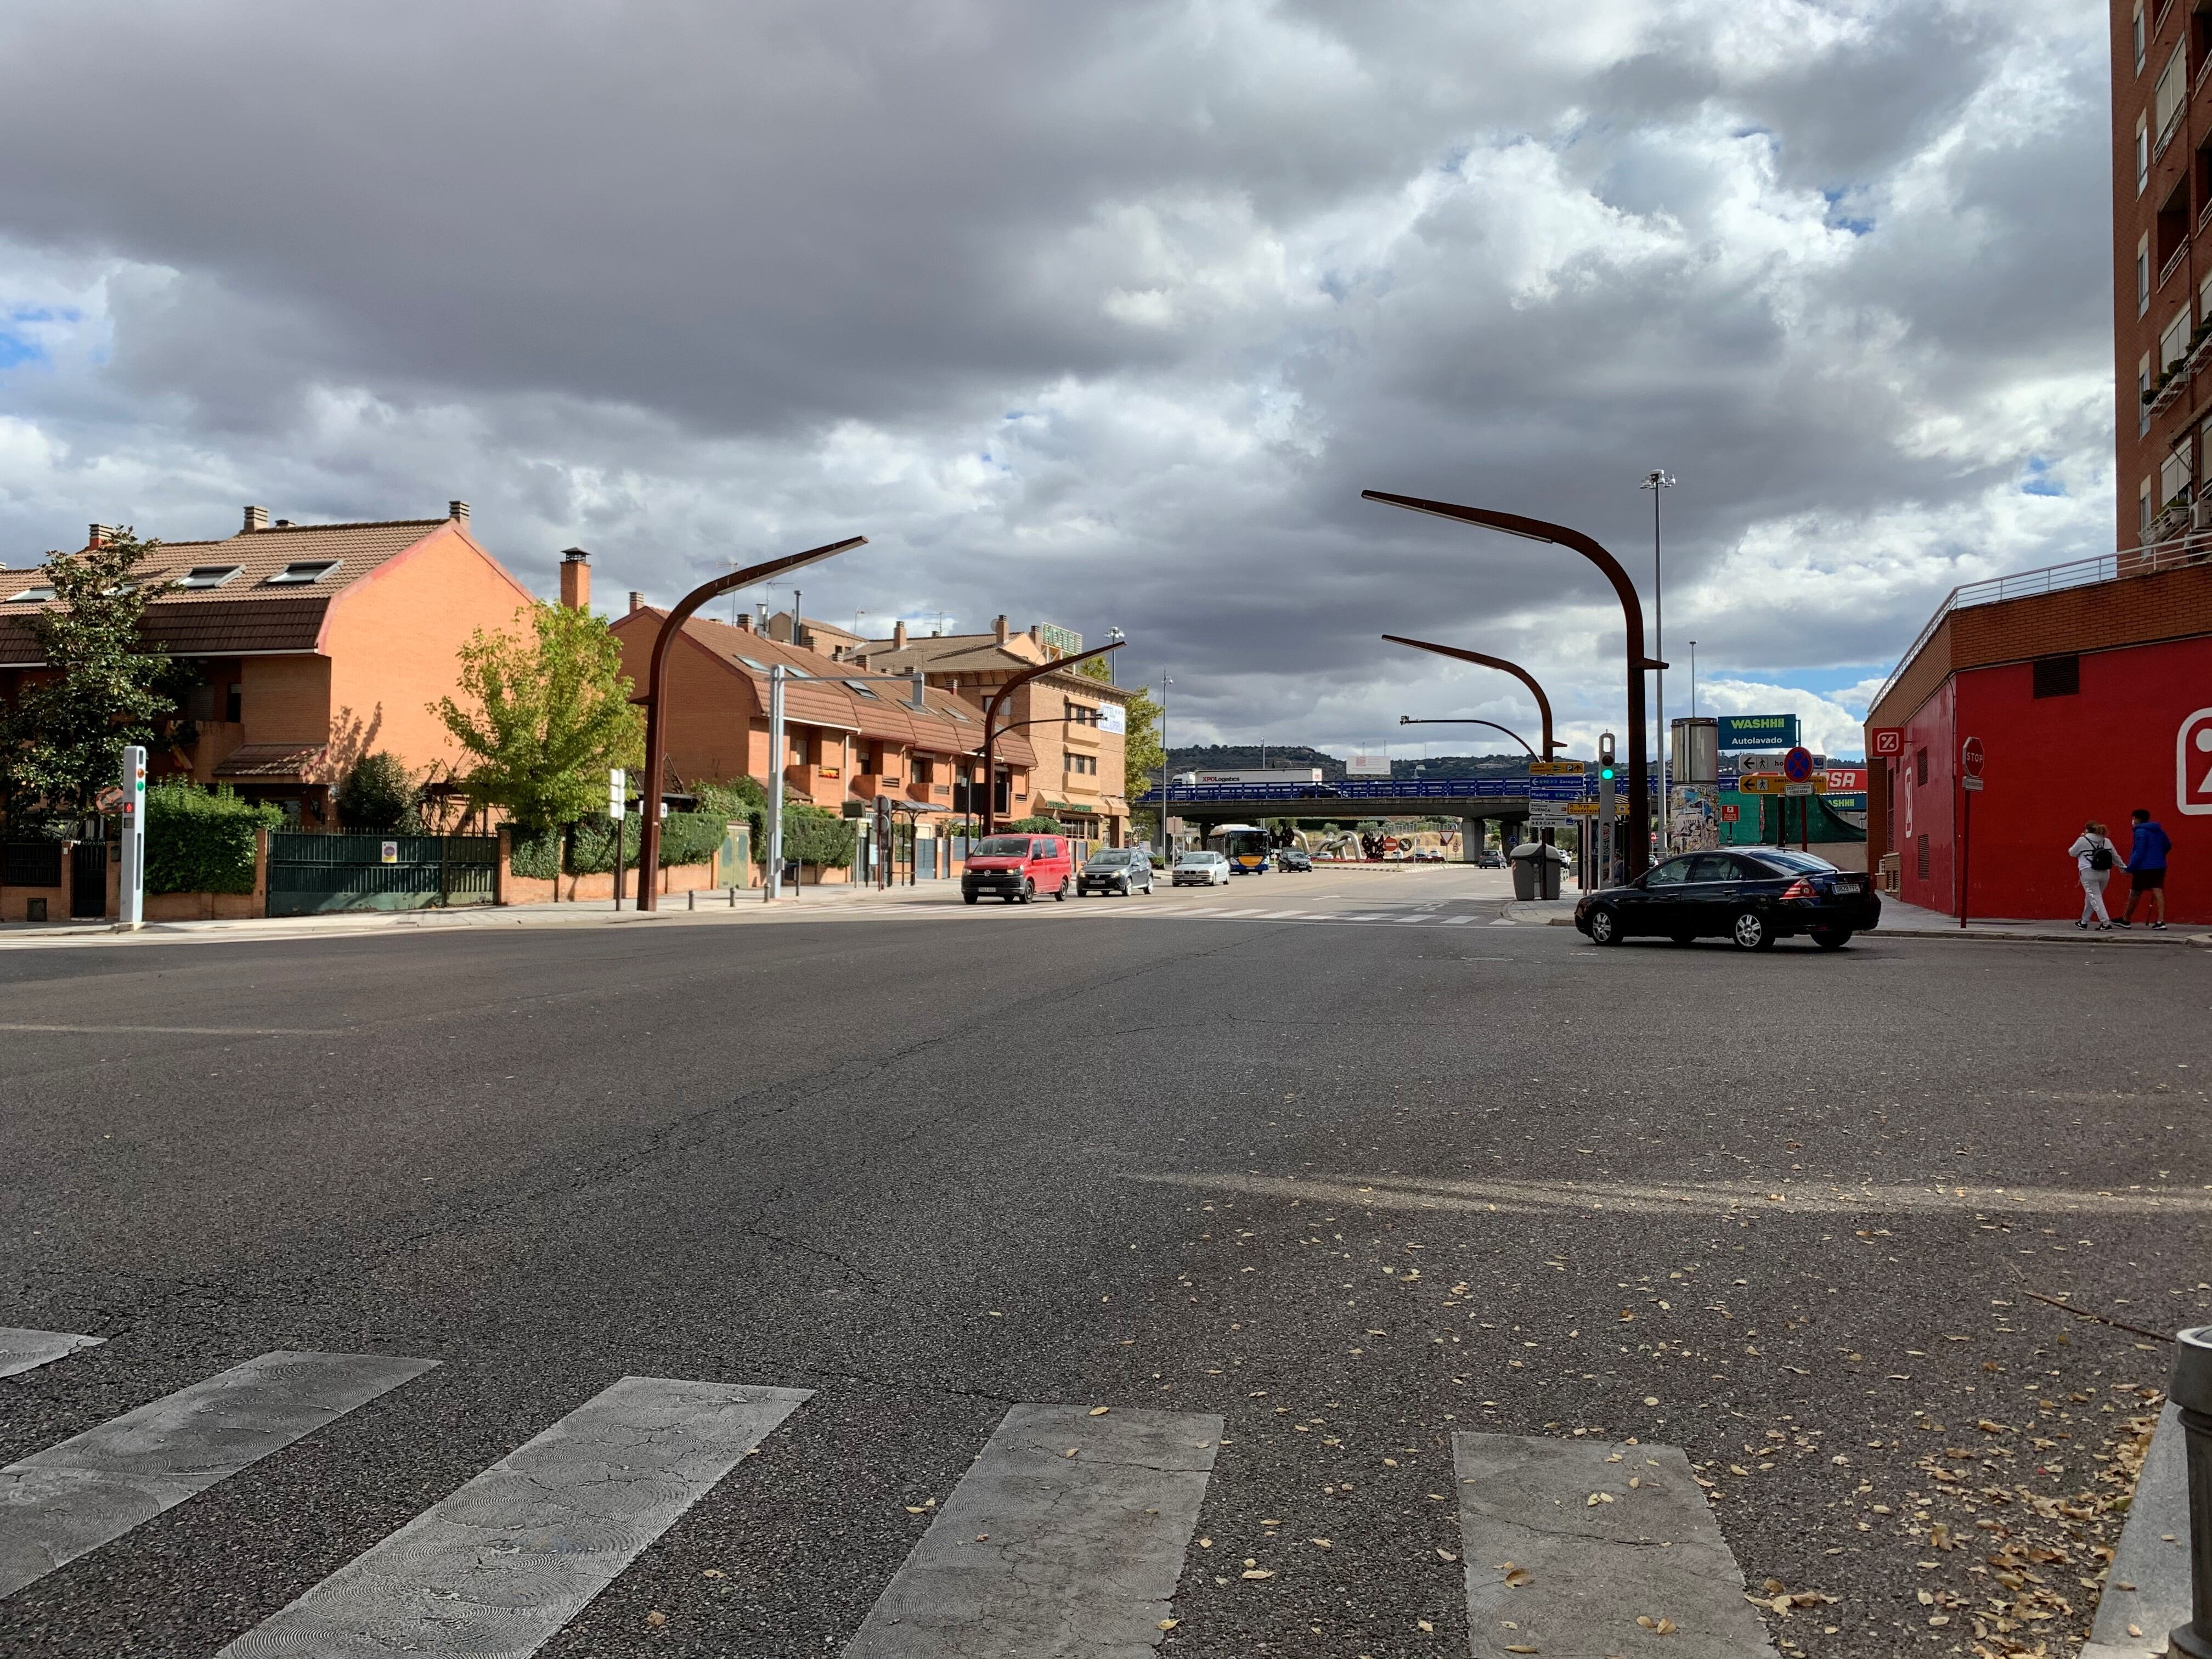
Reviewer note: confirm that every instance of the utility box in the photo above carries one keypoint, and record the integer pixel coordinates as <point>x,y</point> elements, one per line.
<point>1536,869</point>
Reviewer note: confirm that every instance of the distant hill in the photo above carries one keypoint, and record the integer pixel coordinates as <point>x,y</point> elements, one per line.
<point>1249,757</point>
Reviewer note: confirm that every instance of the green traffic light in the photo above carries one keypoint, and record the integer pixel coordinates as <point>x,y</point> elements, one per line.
<point>1605,772</point>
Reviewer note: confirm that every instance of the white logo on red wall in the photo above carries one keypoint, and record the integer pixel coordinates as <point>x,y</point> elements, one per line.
<point>2192,764</point>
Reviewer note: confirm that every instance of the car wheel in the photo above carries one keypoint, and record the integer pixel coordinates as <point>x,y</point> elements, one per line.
<point>1604,926</point>
<point>1834,940</point>
<point>1059,893</point>
<point>970,898</point>
<point>1029,890</point>
<point>1126,889</point>
<point>1752,932</point>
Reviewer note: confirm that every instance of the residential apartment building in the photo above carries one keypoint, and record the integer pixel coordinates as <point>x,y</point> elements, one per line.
<point>2163,263</point>
<point>1075,724</point>
<point>842,741</point>
<point>311,646</point>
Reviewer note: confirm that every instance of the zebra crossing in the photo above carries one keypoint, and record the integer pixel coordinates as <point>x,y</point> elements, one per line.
<point>1067,1535</point>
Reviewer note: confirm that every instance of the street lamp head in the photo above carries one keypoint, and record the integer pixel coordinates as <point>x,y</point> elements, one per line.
<point>1405,719</point>
<point>1657,478</point>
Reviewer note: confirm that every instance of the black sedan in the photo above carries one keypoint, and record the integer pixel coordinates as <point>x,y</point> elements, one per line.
<point>1751,896</point>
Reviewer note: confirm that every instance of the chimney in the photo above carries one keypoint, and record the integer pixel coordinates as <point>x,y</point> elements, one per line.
<point>998,629</point>
<point>745,622</point>
<point>256,518</point>
<point>898,636</point>
<point>576,580</point>
<point>1036,632</point>
<point>98,534</point>
<point>860,659</point>
<point>636,600</point>
<point>458,511</point>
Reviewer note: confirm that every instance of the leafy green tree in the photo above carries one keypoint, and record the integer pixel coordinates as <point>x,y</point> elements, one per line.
<point>377,794</point>
<point>546,712</point>
<point>63,743</point>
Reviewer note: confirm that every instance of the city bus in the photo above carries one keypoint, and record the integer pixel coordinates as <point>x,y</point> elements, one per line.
<point>1244,845</point>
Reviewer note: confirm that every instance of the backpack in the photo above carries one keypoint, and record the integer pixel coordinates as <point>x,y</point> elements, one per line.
<point>2101,856</point>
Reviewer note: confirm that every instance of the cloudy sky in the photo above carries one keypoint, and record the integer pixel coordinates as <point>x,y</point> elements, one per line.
<point>1102,314</point>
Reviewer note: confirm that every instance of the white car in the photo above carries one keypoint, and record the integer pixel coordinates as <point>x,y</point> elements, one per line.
<point>1199,869</point>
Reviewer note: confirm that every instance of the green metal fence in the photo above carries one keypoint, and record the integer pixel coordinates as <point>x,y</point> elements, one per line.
<point>310,873</point>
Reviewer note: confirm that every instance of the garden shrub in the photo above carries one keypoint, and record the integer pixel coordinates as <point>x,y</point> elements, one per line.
<point>377,794</point>
<point>202,841</point>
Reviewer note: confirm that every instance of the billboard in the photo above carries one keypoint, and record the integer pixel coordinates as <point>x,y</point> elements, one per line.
<point>1367,766</point>
<point>1759,731</point>
<point>1112,717</point>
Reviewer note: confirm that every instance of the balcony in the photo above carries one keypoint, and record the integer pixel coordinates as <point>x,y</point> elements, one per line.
<point>2172,261</point>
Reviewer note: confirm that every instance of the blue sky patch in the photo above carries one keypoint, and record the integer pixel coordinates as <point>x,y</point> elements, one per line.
<point>2038,481</point>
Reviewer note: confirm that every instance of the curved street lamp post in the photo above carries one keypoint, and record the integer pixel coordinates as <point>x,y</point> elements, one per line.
<point>1631,608</point>
<point>1408,719</point>
<point>656,680</point>
<point>991,730</point>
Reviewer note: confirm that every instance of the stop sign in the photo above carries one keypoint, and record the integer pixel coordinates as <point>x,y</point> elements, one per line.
<point>1969,757</point>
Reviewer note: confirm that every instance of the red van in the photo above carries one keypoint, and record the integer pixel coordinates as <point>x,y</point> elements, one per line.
<point>1016,868</point>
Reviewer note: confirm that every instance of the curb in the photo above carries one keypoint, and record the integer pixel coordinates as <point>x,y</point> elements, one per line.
<point>1971,934</point>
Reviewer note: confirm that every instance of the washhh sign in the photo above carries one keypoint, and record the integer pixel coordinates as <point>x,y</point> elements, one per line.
<point>1759,731</point>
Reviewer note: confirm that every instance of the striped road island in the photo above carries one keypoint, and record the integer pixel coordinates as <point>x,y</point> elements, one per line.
<point>26,1350</point>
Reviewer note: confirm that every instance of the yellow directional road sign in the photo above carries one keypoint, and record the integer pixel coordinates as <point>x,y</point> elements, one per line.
<point>1761,783</point>
<point>1582,809</point>
<point>1555,768</point>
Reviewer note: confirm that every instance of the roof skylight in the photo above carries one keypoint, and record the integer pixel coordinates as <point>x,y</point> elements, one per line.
<point>301,572</point>
<point>32,596</point>
<point>209,575</point>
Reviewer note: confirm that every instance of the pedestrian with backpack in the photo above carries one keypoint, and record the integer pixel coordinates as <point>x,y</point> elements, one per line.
<point>2095,858</point>
<point>2147,869</point>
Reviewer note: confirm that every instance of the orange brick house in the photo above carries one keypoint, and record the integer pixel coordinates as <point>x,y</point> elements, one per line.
<point>314,645</point>
<point>1075,723</point>
<point>841,742</point>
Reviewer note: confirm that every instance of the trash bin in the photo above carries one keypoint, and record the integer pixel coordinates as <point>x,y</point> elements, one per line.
<point>1536,869</point>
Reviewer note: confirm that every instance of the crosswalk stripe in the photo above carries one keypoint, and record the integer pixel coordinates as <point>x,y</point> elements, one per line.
<point>96,1487</point>
<point>1455,921</point>
<point>1066,1537</point>
<point>1559,1543</point>
<point>499,1567</point>
<point>26,1350</point>
<point>1377,916</point>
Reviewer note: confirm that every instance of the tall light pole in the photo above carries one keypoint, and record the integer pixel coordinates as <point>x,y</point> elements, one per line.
<point>1657,480</point>
<point>1164,682</point>
<point>1693,679</point>
<point>1118,637</point>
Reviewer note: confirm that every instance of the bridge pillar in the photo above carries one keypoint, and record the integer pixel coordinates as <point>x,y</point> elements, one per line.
<point>1471,831</point>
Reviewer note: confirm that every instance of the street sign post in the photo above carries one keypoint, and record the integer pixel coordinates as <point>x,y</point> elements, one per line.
<point>1731,813</point>
<point>618,810</point>
<point>132,879</point>
<point>1971,759</point>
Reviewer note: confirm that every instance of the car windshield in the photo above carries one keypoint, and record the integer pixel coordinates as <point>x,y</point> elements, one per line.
<point>1108,860</point>
<point>1190,860</point>
<point>1003,847</point>
<point>1796,863</point>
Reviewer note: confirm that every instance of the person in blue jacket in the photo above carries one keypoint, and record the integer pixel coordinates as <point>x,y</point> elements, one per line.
<point>2147,868</point>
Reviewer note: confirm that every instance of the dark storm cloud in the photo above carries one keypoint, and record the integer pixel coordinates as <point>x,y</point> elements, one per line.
<point>1036,295</point>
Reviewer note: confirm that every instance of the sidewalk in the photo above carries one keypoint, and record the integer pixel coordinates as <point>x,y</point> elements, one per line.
<point>751,905</point>
<point>1903,921</point>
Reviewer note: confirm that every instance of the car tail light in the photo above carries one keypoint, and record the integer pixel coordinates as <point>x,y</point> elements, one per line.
<point>1800,889</point>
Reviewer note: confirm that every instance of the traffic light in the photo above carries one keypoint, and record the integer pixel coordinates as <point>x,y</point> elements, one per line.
<point>1605,755</point>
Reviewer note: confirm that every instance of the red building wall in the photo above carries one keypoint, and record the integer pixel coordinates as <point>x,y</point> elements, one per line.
<point>2128,738</point>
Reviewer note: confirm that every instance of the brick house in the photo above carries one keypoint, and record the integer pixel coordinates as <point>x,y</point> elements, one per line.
<point>2089,686</point>
<point>1075,723</point>
<point>313,645</point>
<point>841,743</point>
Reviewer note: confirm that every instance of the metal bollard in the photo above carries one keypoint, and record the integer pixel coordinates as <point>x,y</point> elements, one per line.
<point>2190,1387</point>
<point>691,898</point>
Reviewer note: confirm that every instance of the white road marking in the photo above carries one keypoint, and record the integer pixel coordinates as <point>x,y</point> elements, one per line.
<point>1065,1538</point>
<point>181,1030</point>
<point>1596,1552</point>
<point>500,1566</point>
<point>96,1487</point>
<point>1455,921</point>
<point>26,1350</point>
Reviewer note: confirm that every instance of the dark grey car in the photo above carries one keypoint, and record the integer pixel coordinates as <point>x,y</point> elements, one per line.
<point>1122,869</point>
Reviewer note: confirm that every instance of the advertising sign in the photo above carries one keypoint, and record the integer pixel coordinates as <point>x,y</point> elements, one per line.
<point>2192,765</point>
<point>1842,780</point>
<point>1367,766</point>
<point>1759,731</point>
<point>1884,741</point>
<point>1112,717</point>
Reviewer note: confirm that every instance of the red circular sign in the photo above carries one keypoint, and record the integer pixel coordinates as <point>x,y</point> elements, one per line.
<point>1969,757</point>
<point>1797,765</point>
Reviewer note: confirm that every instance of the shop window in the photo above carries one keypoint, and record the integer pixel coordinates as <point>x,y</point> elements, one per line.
<point>1921,857</point>
<point>2058,677</point>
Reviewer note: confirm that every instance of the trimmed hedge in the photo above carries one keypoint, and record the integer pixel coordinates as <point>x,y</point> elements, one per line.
<point>816,836</point>
<point>202,841</point>
<point>685,838</point>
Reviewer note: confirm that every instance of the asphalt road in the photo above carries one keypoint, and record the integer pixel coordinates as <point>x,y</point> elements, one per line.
<point>1352,1186</point>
